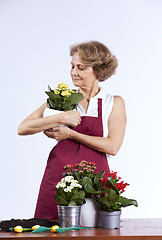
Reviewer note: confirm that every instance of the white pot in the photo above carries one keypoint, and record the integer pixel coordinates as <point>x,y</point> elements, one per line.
<point>49,112</point>
<point>90,214</point>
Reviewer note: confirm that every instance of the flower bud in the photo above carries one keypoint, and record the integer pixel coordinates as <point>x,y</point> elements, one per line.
<point>35,227</point>
<point>18,229</point>
<point>53,228</point>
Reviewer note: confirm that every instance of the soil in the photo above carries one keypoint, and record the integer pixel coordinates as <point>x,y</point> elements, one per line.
<point>26,223</point>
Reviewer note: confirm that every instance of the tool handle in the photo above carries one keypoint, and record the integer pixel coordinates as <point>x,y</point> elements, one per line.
<point>78,228</point>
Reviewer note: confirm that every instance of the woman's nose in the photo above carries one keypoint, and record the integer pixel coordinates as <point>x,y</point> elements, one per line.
<point>74,71</point>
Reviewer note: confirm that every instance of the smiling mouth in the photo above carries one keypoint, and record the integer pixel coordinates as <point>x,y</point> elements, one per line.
<point>75,79</point>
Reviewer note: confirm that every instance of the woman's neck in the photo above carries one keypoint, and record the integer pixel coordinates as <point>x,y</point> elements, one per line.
<point>89,92</point>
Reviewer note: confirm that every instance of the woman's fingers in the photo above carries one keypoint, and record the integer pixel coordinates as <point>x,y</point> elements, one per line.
<point>72,118</point>
<point>49,134</point>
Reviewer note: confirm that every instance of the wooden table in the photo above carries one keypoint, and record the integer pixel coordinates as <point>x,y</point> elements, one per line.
<point>131,229</point>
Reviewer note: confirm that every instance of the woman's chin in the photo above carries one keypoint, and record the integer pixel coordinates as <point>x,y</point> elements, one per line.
<point>77,83</point>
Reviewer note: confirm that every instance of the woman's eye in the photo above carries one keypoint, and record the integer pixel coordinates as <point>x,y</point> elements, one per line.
<point>80,68</point>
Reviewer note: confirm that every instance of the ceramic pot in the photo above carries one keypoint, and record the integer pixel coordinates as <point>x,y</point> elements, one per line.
<point>49,112</point>
<point>90,214</point>
<point>110,220</point>
<point>69,216</point>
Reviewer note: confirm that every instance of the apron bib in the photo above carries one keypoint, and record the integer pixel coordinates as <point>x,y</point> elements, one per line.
<point>69,152</point>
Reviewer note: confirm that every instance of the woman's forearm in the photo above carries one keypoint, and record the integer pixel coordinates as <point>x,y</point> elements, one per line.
<point>32,126</point>
<point>101,144</point>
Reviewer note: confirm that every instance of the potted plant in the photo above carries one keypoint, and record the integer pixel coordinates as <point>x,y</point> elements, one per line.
<point>69,197</point>
<point>91,183</point>
<point>111,201</point>
<point>61,99</point>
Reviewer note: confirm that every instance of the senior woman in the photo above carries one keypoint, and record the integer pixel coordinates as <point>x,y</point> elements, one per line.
<point>98,124</point>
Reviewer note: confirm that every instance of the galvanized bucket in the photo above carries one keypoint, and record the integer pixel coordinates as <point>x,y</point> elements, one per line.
<point>110,220</point>
<point>69,216</point>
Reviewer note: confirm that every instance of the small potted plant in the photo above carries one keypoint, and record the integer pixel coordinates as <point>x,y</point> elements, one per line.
<point>61,99</point>
<point>111,201</point>
<point>69,197</point>
<point>91,183</point>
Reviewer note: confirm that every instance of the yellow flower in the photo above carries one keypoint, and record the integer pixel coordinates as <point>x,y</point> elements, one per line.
<point>66,93</point>
<point>35,227</point>
<point>62,86</point>
<point>18,229</point>
<point>53,228</point>
<point>56,91</point>
<point>70,90</point>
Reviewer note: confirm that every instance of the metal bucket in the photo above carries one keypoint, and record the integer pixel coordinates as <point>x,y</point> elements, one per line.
<point>69,216</point>
<point>110,220</point>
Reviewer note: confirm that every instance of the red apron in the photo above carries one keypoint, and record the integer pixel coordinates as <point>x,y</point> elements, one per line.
<point>69,152</point>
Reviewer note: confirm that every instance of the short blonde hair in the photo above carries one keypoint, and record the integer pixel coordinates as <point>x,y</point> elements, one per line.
<point>98,56</point>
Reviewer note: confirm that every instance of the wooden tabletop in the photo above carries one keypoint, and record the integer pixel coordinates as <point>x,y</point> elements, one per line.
<point>131,229</point>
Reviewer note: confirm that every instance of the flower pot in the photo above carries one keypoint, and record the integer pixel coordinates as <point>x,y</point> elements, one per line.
<point>90,214</point>
<point>69,216</point>
<point>110,220</point>
<point>49,112</point>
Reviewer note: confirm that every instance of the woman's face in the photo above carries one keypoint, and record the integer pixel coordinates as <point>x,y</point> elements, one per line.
<point>82,76</point>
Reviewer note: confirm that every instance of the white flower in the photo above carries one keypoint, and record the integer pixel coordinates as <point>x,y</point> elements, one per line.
<point>68,189</point>
<point>68,179</point>
<point>74,183</point>
<point>60,185</point>
<point>63,180</point>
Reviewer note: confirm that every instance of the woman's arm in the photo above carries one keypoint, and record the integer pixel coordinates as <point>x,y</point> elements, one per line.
<point>35,122</point>
<point>111,144</point>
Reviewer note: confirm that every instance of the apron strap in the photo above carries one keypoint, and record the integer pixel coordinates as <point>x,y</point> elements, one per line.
<point>100,108</point>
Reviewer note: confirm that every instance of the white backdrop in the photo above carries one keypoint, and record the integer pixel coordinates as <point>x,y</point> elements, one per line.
<point>35,36</point>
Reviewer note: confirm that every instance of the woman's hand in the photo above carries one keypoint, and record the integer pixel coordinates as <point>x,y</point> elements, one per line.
<point>72,118</point>
<point>60,133</point>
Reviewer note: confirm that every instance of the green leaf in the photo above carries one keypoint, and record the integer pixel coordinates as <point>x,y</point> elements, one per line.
<point>66,107</point>
<point>106,202</point>
<point>98,177</point>
<point>116,207</point>
<point>74,98</point>
<point>58,104</point>
<point>49,89</point>
<point>127,202</point>
<point>99,186</point>
<point>78,195</point>
<point>86,180</point>
<point>50,104</point>
<point>111,183</point>
<point>53,96</point>
<point>68,196</point>
<point>89,189</point>
<point>111,195</point>
<point>72,203</point>
<point>77,176</point>
<point>60,192</point>
<point>61,201</point>
<point>64,174</point>
<point>79,201</point>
